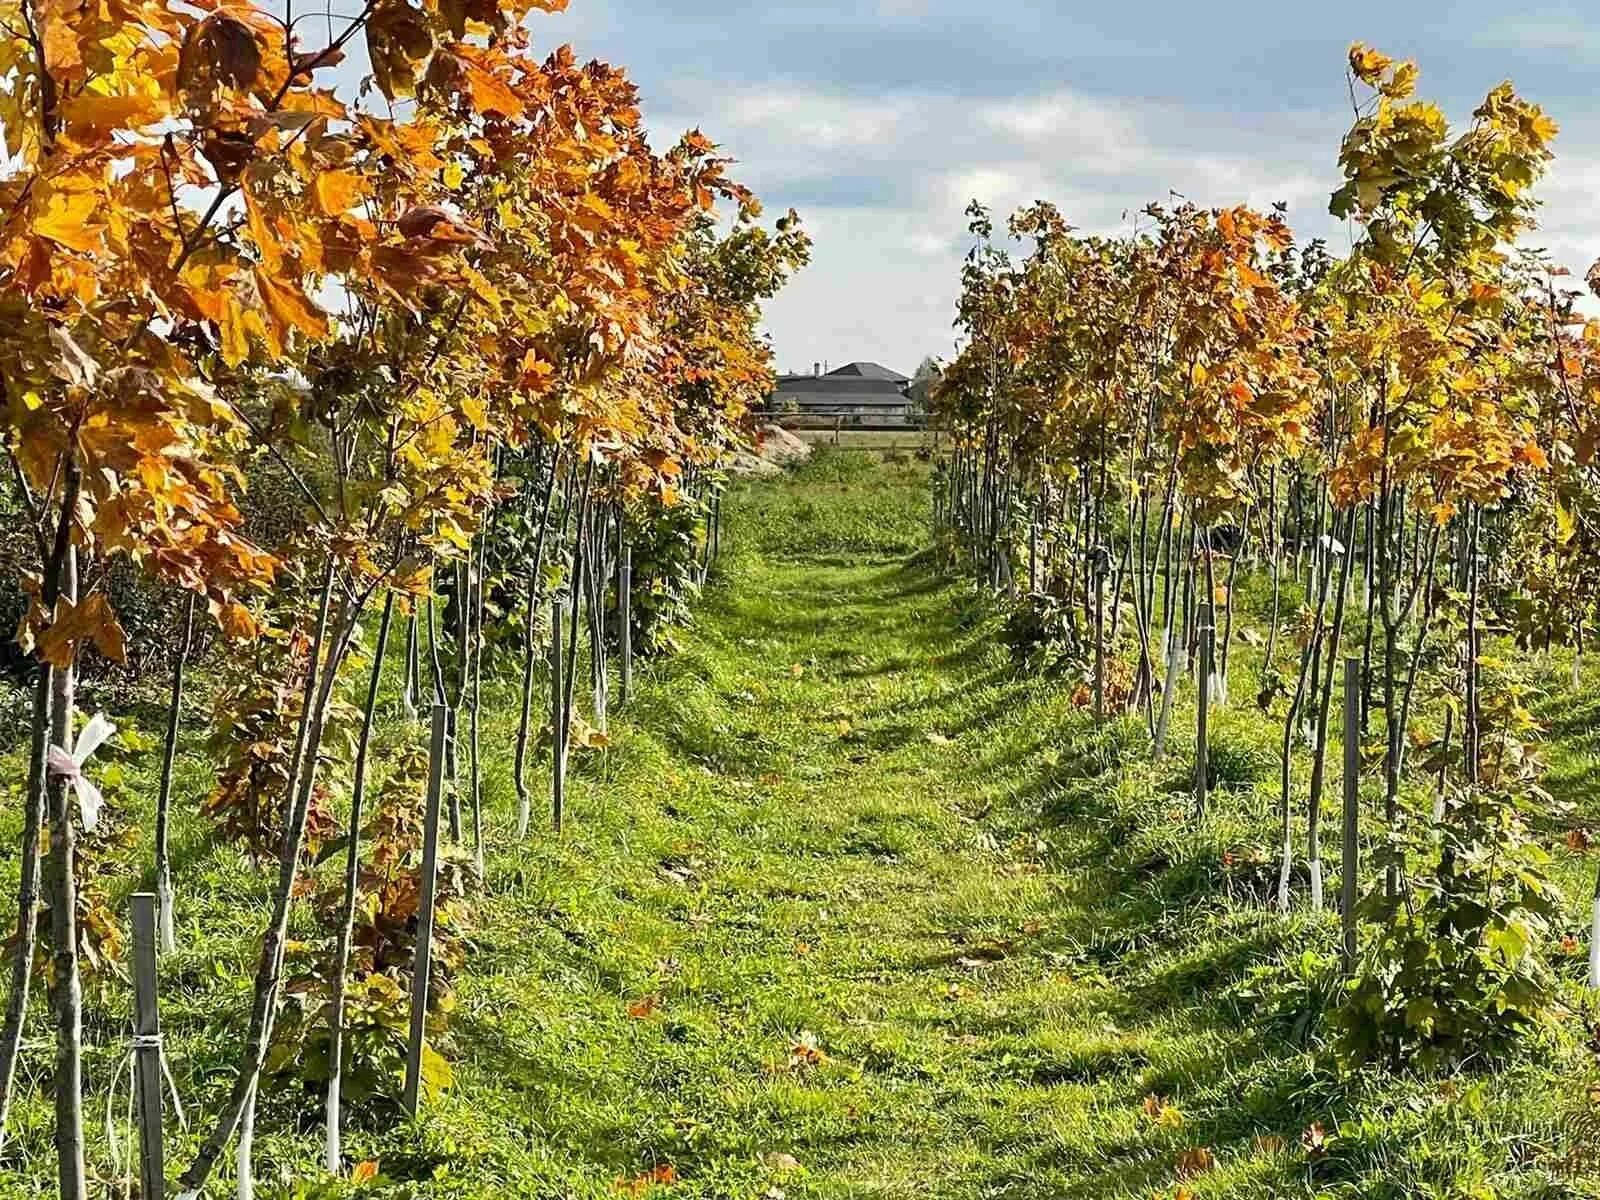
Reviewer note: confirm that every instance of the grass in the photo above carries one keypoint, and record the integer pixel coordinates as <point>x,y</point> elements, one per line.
<point>904,441</point>
<point>850,909</point>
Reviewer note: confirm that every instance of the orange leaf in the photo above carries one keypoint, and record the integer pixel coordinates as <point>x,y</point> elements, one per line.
<point>89,114</point>
<point>289,307</point>
<point>663,1176</point>
<point>89,620</point>
<point>337,191</point>
<point>236,621</point>
<point>364,1172</point>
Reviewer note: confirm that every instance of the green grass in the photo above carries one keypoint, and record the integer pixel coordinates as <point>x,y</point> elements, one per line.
<point>839,819</point>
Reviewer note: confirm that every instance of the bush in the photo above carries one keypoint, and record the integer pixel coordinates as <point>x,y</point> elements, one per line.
<point>1038,632</point>
<point>666,573</point>
<point>1458,970</point>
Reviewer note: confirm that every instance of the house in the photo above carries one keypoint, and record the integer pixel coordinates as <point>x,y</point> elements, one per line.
<point>861,393</point>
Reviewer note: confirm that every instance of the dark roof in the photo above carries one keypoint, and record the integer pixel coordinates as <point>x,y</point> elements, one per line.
<point>870,370</point>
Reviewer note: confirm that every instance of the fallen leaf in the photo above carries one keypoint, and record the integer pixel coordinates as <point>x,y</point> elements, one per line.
<point>644,1007</point>
<point>806,1051</point>
<point>660,1176</point>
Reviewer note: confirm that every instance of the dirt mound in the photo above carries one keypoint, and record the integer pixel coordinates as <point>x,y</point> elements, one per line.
<point>775,448</point>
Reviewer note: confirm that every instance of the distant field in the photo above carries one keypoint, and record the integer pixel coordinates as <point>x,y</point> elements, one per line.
<point>859,439</point>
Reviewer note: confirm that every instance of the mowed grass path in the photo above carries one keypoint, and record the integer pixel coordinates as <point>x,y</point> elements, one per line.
<point>852,909</point>
<point>787,945</point>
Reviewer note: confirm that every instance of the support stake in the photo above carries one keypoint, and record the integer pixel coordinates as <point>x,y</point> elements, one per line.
<point>423,964</point>
<point>147,1046</point>
<point>625,619</point>
<point>1205,628</point>
<point>558,731</point>
<point>1350,850</point>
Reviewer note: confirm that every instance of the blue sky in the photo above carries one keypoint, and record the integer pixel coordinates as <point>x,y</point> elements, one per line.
<point>880,119</point>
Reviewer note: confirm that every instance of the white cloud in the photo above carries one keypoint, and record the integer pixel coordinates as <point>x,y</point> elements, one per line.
<point>817,121</point>
<point>1105,135</point>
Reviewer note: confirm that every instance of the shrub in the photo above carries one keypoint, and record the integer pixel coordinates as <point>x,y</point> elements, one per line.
<point>1458,969</point>
<point>1039,634</point>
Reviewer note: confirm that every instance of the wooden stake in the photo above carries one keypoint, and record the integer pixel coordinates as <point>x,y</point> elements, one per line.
<point>1205,629</point>
<point>423,963</point>
<point>558,733</point>
<point>625,617</point>
<point>147,1047</point>
<point>1351,848</point>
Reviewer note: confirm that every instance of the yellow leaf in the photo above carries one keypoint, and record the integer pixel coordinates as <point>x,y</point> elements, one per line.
<point>63,217</point>
<point>89,114</point>
<point>233,328</point>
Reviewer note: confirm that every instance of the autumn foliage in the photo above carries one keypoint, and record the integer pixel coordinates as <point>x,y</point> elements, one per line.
<point>398,307</point>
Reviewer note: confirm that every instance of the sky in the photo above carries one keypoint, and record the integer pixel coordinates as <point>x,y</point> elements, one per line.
<point>879,120</point>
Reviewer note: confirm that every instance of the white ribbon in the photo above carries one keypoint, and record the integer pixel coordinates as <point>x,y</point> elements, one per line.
<point>69,766</point>
<point>127,1070</point>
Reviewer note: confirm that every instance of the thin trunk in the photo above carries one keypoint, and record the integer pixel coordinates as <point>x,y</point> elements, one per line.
<point>1172,640</point>
<point>441,696</point>
<point>1320,751</point>
<point>270,965</point>
<point>34,804</point>
<point>474,649</point>
<point>352,873</point>
<point>61,888</point>
<point>27,894</point>
<point>165,896</point>
<point>529,650</point>
<point>409,697</point>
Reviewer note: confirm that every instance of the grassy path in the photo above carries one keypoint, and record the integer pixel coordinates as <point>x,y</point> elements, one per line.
<point>851,910</point>
<point>773,953</point>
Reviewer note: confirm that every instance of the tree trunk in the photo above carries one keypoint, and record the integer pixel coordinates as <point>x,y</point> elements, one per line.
<point>61,887</point>
<point>165,897</point>
<point>473,648</point>
<point>408,697</point>
<point>27,893</point>
<point>34,805</point>
<point>529,650</point>
<point>352,874</point>
<point>1324,704</point>
<point>269,967</point>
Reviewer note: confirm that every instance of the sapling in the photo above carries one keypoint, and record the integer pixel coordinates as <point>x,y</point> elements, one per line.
<point>165,898</point>
<point>347,912</point>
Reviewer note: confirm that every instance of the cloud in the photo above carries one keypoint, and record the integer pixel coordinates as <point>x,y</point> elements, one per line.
<point>881,119</point>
